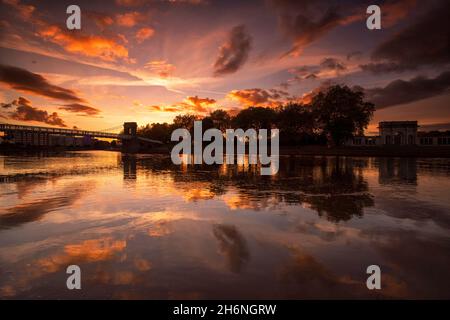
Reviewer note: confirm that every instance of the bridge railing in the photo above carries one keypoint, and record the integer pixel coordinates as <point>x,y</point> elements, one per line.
<point>12,127</point>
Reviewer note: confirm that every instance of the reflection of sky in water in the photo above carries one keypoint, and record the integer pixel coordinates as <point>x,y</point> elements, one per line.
<point>140,227</point>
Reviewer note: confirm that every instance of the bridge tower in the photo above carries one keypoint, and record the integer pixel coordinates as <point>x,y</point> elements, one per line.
<point>130,128</point>
<point>130,145</point>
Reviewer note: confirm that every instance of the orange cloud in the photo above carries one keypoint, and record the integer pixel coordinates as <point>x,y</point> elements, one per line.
<point>259,97</point>
<point>101,20</point>
<point>144,34</point>
<point>199,102</point>
<point>86,45</point>
<point>129,19</point>
<point>87,251</point>
<point>190,104</point>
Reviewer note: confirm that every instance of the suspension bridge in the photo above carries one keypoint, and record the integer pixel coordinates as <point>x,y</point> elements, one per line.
<point>41,136</point>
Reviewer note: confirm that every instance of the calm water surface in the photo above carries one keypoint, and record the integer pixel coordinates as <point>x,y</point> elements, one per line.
<point>140,227</point>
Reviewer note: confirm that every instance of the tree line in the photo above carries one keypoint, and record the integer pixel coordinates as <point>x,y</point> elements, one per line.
<point>333,116</point>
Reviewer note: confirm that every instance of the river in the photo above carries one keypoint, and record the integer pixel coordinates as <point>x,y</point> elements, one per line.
<point>142,228</point>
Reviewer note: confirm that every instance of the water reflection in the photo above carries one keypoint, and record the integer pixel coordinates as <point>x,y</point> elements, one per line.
<point>129,167</point>
<point>334,187</point>
<point>36,209</point>
<point>141,227</point>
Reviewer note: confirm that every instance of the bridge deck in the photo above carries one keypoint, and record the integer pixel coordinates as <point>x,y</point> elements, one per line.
<point>70,132</point>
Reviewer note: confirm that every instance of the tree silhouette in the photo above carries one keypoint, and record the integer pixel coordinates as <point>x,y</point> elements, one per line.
<point>255,118</point>
<point>296,124</point>
<point>341,112</point>
<point>335,114</point>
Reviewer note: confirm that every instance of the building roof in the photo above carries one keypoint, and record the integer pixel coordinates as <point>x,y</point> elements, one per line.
<point>384,124</point>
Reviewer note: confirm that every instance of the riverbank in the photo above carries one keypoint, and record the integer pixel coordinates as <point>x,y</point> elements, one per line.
<point>371,151</point>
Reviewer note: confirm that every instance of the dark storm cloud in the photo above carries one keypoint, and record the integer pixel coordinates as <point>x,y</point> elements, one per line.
<point>24,80</point>
<point>26,112</point>
<point>80,108</point>
<point>401,92</point>
<point>304,29</point>
<point>426,42</point>
<point>305,21</point>
<point>234,52</point>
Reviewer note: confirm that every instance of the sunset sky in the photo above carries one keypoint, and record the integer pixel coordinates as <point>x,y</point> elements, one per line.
<point>149,60</point>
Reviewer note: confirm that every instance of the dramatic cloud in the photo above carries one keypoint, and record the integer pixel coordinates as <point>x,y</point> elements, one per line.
<point>99,47</point>
<point>81,109</point>
<point>304,30</point>
<point>196,101</point>
<point>17,102</point>
<point>305,21</point>
<point>259,97</point>
<point>24,80</point>
<point>401,92</point>
<point>234,52</point>
<point>426,42</point>
<point>192,104</point>
<point>26,112</point>
<point>144,33</point>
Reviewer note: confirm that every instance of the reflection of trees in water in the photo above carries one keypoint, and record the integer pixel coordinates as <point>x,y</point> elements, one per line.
<point>232,245</point>
<point>339,191</point>
<point>333,186</point>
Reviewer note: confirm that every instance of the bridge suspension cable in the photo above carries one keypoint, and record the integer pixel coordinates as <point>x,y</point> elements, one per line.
<point>112,128</point>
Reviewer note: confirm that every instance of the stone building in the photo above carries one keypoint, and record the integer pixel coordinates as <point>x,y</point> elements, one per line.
<point>398,132</point>
<point>401,133</point>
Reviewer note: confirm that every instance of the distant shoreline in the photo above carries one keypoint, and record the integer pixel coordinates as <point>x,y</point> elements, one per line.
<point>369,151</point>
